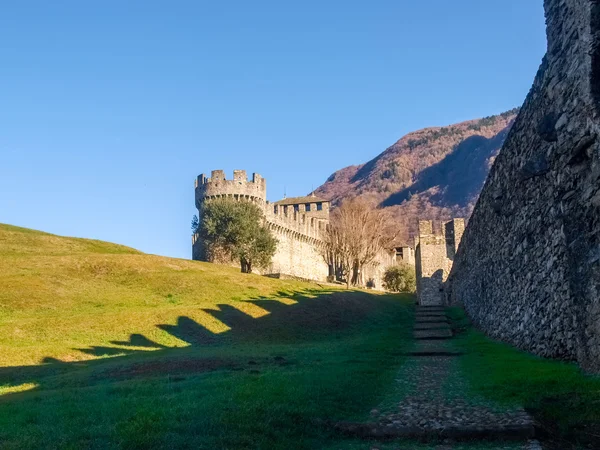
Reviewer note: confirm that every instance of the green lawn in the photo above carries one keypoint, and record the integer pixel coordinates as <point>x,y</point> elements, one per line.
<point>564,401</point>
<point>102,346</point>
<point>105,347</point>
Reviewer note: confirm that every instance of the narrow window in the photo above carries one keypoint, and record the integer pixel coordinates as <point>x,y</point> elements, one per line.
<point>319,206</point>
<point>308,207</point>
<point>297,208</point>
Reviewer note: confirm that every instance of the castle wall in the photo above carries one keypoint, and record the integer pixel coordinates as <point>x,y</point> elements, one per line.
<point>297,255</point>
<point>297,227</point>
<point>406,256</point>
<point>299,233</point>
<point>528,268</point>
<point>435,254</point>
<point>373,273</point>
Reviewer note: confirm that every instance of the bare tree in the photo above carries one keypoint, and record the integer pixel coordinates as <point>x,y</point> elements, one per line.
<point>356,234</point>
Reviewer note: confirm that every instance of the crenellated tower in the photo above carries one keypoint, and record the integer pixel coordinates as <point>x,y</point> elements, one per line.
<point>434,254</point>
<point>239,188</point>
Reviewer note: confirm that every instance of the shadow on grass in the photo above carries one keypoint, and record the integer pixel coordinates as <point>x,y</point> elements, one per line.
<point>285,318</point>
<point>564,401</point>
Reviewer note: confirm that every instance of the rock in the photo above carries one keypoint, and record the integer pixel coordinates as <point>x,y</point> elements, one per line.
<point>547,127</point>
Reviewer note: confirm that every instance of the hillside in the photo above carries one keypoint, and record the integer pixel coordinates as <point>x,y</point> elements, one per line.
<point>102,346</point>
<point>433,173</point>
<point>60,295</point>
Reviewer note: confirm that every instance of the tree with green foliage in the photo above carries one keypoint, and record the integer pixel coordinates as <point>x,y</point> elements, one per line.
<point>400,278</point>
<point>236,230</point>
<point>195,224</point>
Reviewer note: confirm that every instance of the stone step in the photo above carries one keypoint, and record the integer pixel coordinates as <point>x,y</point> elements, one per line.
<point>431,308</point>
<point>419,320</point>
<point>432,326</point>
<point>465,433</point>
<point>441,322</point>
<point>457,419</point>
<point>431,316</point>
<point>430,313</point>
<point>433,334</point>
<point>434,352</point>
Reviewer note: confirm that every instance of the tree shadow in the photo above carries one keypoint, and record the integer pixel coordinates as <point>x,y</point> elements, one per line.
<point>297,316</point>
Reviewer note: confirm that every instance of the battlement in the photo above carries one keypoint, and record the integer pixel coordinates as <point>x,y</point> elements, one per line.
<point>239,176</point>
<point>449,232</point>
<point>301,224</point>
<point>238,188</point>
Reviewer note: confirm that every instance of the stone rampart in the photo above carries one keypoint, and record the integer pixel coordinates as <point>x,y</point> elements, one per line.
<point>528,268</point>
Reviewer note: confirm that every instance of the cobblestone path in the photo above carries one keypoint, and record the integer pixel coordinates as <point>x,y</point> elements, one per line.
<point>433,402</point>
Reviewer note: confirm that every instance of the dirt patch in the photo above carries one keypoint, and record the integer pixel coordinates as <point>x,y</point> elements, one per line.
<point>170,367</point>
<point>177,367</point>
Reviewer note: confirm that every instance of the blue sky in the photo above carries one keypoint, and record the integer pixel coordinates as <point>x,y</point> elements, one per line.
<point>109,110</point>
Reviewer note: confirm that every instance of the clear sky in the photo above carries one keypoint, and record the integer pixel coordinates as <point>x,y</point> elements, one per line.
<point>109,109</point>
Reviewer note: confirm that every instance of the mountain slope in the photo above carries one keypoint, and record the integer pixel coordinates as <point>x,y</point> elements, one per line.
<point>433,173</point>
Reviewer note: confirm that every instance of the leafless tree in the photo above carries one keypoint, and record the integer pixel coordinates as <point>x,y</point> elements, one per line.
<point>356,234</point>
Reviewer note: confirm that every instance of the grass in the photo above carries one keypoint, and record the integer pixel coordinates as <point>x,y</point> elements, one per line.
<point>565,401</point>
<point>102,346</point>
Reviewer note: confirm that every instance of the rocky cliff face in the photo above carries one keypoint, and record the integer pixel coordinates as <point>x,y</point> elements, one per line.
<point>528,267</point>
<point>433,173</point>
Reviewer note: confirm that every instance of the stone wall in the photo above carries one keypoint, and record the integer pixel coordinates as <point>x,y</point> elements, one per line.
<point>297,255</point>
<point>405,255</point>
<point>373,273</point>
<point>434,255</point>
<point>528,268</point>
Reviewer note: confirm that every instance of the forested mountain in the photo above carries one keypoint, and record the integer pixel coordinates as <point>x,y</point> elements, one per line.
<point>434,173</point>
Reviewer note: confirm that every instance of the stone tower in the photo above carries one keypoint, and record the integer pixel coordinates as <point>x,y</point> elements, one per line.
<point>434,255</point>
<point>217,186</point>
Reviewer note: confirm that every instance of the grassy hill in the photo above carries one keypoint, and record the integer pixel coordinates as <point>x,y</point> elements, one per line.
<point>102,346</point>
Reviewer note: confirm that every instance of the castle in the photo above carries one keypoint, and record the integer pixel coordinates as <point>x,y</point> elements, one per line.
<point>297,223</point>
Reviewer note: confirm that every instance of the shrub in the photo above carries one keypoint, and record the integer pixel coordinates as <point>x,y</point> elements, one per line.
<point>400,278</point>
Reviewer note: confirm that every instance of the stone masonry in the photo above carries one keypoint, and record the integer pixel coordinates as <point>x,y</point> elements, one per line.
<point>297,223</point>
<point>528,268</point>
<point>434,257</point>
